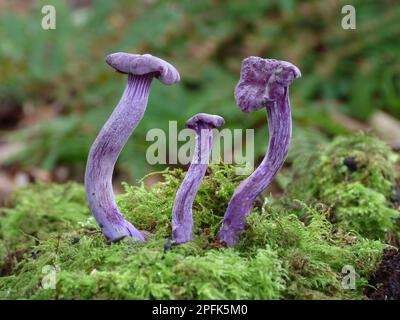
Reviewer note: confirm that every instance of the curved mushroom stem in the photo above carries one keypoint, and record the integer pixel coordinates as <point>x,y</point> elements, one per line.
<point>103,156</point>
<point>141,70</point>
<point>241,204</point>
<point>182,218</point>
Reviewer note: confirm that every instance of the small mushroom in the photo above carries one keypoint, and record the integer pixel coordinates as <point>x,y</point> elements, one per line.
<point>264,83</point>
<point>182,219</point>
<point>141,69</point>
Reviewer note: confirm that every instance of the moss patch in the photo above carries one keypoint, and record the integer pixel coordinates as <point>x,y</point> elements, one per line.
<point>93,269</point>
<point>209,205</point>
<point>280,255</point>
<point>354,178</point>
<point>39,211</point>
<point>313,253</point>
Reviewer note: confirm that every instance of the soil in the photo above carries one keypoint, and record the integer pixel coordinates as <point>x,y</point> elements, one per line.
<point>395,198</point>
<point>350,163</point>
<point>10,113</point>
<point>9,263</point>
<point>386,279</point>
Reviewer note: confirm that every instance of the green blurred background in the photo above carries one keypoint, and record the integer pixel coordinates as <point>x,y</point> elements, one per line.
<point>56,91</point>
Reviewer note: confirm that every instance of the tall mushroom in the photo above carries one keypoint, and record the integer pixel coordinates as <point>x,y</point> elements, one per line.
<point>141,69</point>
<point>182,219</point>
<point>264,83</point>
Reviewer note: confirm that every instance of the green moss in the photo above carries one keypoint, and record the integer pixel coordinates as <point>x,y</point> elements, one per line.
<point>361,208</point>
<point>314,253</point>
<point>209,205</point>
<point>354,178</point>
<point>374,160</point>
<point>279,255</point>
<point>36,212</point>
<point>93,269</point>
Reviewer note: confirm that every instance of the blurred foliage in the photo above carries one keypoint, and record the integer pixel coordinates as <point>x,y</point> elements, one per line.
<point>355,71</point>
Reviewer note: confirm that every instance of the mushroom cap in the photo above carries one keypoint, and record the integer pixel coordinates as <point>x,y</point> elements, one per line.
<point>258,77</point>
<point>202,120</point>
<point>140,64</point>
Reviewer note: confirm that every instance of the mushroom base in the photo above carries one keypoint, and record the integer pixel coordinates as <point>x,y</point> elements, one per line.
<point>116,232</point>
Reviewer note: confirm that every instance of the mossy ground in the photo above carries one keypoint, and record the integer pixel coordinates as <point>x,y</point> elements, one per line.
<point>293,248</point>
<point>40,211</point>
<point>354,179</point>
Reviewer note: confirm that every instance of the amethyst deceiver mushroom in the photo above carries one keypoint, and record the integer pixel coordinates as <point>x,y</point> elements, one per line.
<point>264,83</point>
<point>141,70</point>
<point>182,219</point>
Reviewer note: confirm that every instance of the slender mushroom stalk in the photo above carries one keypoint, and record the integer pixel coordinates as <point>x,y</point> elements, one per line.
<point>264,83</point>
<point>141,69</point>
<point>182,219</point>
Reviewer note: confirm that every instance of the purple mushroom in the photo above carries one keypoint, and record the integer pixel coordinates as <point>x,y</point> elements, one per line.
<point>141,69</point>
<point>182,220</point>
<point>264,83</point>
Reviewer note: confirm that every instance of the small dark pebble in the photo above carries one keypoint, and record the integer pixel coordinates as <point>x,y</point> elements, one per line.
<point>75,240</point>
<point>350,163</point>
<point>167,245</point>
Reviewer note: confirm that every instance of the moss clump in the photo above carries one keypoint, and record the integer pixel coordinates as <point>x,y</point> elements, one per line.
<point>209,205</point>
<point>36,212</point>
<point>313,253</point>
<point>363,209</point>
<point>92,269</point>
<point>279,255</point>
<point>354,177</point>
